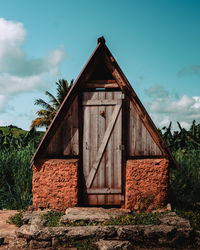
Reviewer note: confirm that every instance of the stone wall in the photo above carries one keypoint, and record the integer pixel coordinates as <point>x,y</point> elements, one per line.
<point>146,184</point>
<point>55,184</point>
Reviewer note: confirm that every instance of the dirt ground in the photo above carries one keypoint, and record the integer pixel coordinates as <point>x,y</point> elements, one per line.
<point>6,230</point>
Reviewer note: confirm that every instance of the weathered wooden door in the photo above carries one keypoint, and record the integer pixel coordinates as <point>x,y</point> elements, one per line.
<point>102,148</point>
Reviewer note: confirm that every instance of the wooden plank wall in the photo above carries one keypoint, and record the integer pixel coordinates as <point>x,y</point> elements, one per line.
<point>140,142</point>
<point>66,139</point>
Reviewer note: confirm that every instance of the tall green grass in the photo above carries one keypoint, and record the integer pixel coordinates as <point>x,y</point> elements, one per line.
<point>15,171</point>
<point>185,181</point>
<point>16,178</point>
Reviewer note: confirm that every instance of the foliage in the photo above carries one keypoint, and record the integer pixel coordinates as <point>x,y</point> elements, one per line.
<point>15,171</point>
<point>16,219</point>
<point>135,219</point>
<point>16,131</point>
<point>49,109</point>
<point>192,215</point>
<point>51,219</point>
<point>185,181</point>
<point>182,139</point>
<point>80,223</point>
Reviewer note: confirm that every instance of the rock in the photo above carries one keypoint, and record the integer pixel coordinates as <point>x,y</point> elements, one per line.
<point>169,207</point>
<point>48,233</point>
<point>113,245</point>
<point>33,218</point>
<point>91,214</point>
<point>174,220</point>
<point>18,243</point>
<point>35,244</point>
<point>159,233</point>
<point>27,231</point>
<point>1,240</point>
<point>132,232</point>
<point>172,229</point>
<point>40,233</point>
<point>166,209</point>
<point>92,231</point>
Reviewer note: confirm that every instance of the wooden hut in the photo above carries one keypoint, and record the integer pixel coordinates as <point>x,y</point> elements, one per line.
<point>102,148</point>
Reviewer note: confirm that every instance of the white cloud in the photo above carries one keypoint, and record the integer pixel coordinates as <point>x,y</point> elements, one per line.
<point>2,101</point>
<point>11,84</point>
<point>166,108</point>
<point>18,73</point>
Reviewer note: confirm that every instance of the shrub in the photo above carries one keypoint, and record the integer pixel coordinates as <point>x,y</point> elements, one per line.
<point>16,219</point>
<point>16,178</point>
<point>135,219</point>
<point>185,181</point>
<point>51,219</point>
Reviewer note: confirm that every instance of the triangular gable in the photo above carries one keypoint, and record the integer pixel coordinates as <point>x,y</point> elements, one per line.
<point>103,66</point>
<point>101,72</point>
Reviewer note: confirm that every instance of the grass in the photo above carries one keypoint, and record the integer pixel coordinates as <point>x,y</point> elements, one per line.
<point>135,219</point>
<point>51,219</point>
<point>16,219</point>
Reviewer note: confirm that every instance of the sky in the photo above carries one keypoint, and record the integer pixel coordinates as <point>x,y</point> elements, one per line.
<point>155,42</point>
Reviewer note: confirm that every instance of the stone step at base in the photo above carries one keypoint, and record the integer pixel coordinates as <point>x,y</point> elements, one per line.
<point>113,245</point>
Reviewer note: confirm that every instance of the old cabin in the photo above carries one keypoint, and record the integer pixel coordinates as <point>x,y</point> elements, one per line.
<point>102,148</point>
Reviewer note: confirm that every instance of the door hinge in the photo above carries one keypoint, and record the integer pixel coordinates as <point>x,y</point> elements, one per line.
<point>121,147</point>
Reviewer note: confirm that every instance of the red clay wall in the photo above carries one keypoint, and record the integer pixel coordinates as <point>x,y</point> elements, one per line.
<point>146,184</point>
<point>55,184</point>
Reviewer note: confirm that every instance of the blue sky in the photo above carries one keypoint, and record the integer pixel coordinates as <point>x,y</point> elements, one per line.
<point>156,43</point>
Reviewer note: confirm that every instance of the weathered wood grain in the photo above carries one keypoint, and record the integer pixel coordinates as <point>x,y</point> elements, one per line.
<point>103,145</point>
<point>140,141</point>
<point>65,140</point>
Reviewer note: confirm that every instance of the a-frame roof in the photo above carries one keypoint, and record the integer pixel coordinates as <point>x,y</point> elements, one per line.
<point>102,52</point>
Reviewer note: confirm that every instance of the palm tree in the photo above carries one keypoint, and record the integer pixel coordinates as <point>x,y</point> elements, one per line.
<point>49,109</point>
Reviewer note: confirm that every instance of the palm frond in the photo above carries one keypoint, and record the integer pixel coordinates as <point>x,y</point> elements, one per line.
<point>44,104</point>
<point>50,108</point>
<point>52,98</point>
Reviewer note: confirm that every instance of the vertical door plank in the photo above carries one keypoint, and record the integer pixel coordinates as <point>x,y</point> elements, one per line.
<point>86,140</point>
<point>94,138</point>
<point>117,132</point>
<point>109,154</point>
<point>101,171</point>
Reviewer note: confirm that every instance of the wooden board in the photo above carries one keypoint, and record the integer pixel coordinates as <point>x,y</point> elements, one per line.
<point>66,139</point>
<point>102,157</point>
<point>140,141</point>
